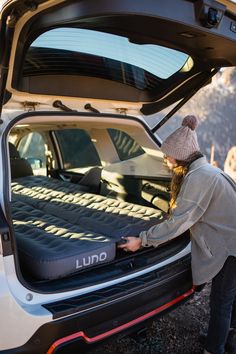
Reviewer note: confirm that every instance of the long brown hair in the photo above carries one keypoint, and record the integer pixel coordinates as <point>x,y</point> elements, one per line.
<point>179,173</point>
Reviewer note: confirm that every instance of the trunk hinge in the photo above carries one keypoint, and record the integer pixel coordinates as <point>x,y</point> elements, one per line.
<point>30,106</point>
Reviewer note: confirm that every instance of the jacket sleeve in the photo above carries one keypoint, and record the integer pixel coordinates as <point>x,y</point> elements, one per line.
<point>186,214</point>
<point>194,198</point>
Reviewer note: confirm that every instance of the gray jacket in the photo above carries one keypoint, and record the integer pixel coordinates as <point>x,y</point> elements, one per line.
<point>206,205</point>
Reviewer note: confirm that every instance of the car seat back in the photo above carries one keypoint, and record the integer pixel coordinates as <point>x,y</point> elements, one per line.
<point>20,167</point>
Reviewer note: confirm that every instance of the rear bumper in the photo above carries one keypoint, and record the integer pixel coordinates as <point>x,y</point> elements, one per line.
<point>81,336</point>
<point>115,312</point>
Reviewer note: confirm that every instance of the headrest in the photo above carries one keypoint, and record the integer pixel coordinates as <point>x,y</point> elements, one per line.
<point>19,167</point>
<point>14,154</point>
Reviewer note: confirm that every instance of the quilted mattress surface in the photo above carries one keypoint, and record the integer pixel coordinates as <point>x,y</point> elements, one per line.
<point>61,230</point>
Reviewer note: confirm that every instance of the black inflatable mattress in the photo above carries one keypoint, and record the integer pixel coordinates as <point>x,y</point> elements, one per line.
<point>61,230</point>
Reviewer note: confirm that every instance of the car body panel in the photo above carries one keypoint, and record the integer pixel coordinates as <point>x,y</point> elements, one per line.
<point>42,336</point>
<point>34,101</point>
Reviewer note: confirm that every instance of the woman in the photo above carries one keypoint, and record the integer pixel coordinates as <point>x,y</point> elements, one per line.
<point>203,199</point>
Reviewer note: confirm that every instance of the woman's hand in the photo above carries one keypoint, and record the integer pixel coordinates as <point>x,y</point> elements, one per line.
<point>133,244</point>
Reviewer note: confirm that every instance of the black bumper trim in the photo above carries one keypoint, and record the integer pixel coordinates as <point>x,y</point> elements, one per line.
<point>82,335</point>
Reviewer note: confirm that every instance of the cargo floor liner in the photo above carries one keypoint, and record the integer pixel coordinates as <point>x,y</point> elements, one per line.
<point>61,230</point>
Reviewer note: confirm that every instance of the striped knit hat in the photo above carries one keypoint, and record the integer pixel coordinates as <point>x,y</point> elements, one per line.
<point>182,142</point>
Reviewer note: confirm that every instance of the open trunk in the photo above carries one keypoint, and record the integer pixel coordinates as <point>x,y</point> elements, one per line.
<point>67,221</point>
<point>63,232</point>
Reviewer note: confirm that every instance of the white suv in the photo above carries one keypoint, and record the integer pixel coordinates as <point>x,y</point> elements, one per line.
<point>80,168</point>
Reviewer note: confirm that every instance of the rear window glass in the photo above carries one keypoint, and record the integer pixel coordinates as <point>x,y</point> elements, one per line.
<point>103,55</point>
<point>126,147</point>
<point>77,148</point>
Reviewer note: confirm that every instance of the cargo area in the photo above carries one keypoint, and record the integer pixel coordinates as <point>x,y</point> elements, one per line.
<point>71,201</point>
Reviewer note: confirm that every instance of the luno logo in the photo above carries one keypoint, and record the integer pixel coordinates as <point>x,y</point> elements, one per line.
<point>90,260</point>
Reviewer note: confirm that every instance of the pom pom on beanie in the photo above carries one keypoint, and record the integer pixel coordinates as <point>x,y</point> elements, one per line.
<point>190,121</point>
<point>183,142</point>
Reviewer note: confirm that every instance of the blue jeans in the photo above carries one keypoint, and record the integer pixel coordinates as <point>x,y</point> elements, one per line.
<point>222,307</point>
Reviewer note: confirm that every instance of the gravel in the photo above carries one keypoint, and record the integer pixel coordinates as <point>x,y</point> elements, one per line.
<point>174,333</point>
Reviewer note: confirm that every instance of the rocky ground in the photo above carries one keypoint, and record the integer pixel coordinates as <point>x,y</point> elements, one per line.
<point>173,333</point>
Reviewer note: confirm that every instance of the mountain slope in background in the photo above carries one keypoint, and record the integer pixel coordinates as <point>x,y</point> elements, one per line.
<point>215,107</point>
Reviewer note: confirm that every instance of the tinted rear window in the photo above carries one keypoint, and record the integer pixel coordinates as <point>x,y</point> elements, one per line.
<point>96,54</point>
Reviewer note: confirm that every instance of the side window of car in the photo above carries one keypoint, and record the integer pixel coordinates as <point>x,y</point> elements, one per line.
<point>126,147</point>
<point>32,148</point>
<point>77,148</point>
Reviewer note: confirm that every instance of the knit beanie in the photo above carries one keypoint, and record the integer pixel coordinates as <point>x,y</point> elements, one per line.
<point>182,142</point>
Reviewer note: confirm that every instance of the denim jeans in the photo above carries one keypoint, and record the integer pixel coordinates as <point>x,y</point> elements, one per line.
<point>222,307</point>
